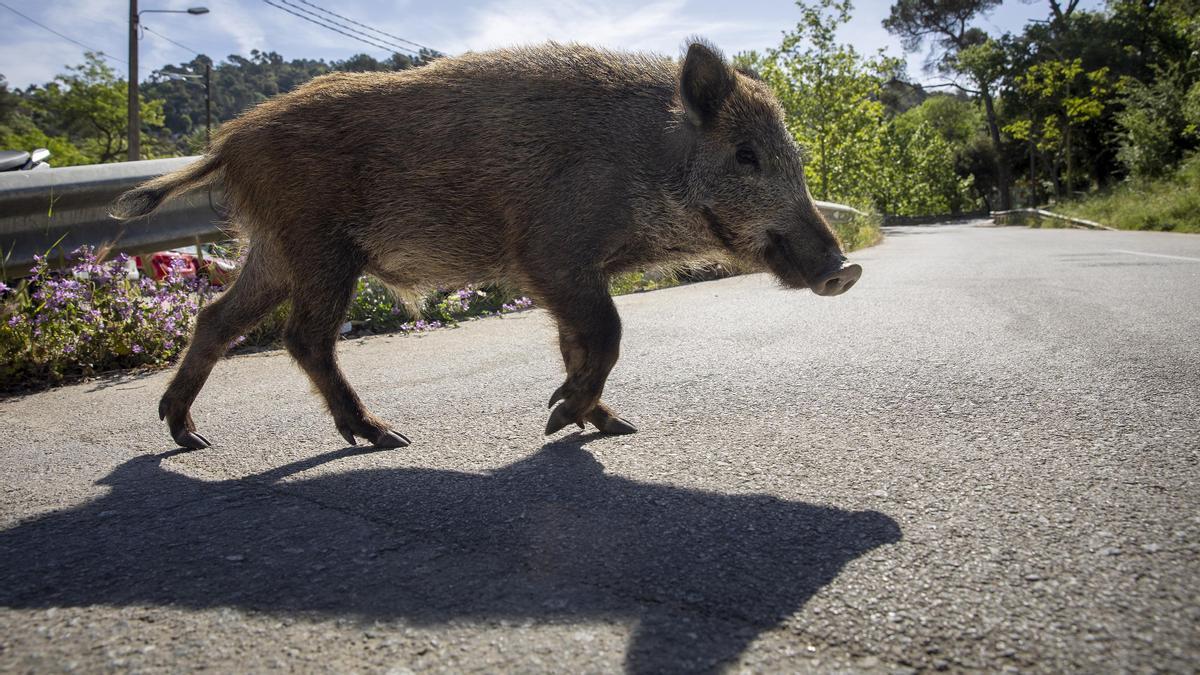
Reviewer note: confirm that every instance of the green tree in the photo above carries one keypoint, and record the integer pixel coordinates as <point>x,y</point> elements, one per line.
<point>963,50</point>
<point>88,105</point>
<point>858,152</point>
<point>18,132</point>
<point>9,101</point>
<point>928,146</point>
<point>239,82</point>
<point>1072,98</point>
<point>831,96</point>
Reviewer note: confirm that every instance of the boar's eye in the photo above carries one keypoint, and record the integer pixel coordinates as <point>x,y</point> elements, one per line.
<point>746,156</point>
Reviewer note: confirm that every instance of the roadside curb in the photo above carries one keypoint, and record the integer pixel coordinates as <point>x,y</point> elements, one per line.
<point>1034,217</point>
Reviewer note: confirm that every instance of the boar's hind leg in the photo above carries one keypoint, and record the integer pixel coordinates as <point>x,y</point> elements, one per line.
<point>256,291</point>
<point>319,305</point>
<point>589,334</point>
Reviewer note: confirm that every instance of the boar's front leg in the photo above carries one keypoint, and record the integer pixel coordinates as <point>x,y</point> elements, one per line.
<point>319,306</point>
<point>589,334</point>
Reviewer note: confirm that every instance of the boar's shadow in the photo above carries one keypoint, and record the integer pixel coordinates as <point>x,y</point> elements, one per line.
<point>552,538</point>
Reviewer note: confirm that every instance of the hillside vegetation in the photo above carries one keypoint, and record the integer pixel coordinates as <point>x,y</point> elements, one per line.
<point>1169,204</point>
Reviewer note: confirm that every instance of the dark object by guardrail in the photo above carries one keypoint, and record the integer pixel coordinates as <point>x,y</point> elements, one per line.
<point>55,211</point>
<point>1036,217</point>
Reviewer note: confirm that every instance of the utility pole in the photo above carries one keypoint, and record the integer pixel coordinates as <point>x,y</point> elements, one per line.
<point>207,103</point>
<point>135,111</point>
<point>135,121</point>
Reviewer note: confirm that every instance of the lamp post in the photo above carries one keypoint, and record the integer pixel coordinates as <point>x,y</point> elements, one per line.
<point>135,122</point>
<point>207,95</point>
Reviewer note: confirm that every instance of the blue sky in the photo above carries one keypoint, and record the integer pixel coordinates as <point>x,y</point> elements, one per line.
<point>29,54</point>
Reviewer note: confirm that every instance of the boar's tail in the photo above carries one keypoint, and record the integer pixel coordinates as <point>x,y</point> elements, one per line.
<point>145,198</point>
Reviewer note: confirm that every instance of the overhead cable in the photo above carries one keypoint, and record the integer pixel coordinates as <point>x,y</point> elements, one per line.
<point>375,30</point>
<point>65,37</point>
<point>181,46</point>
<point>335,27</point>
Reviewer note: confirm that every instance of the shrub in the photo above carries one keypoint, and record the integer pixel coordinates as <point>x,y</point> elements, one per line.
<point>1171,203</point>
<point>93,318</point>
<point>375,309</point>
<point>858,232</point>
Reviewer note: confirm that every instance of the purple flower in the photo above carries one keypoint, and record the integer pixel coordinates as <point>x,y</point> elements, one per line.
<point>4,288</point>
<point>137,349</point>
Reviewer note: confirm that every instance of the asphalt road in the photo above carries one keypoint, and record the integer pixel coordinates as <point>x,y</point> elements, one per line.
<point>985,456</point>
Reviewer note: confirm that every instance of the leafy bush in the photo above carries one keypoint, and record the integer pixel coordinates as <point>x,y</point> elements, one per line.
<point>94,318</point>
<point>638,282</point>
<point>858,232</point>
<point>1171,204</point>
<point>375,309</point>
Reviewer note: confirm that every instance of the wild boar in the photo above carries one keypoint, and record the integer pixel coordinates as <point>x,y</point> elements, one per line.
<point>550,168</point>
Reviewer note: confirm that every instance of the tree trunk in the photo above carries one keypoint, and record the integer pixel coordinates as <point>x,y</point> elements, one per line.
<point>1070,165</point>
<point>1001,167</point>
<point>1033,193</point>
<point>824,169</point>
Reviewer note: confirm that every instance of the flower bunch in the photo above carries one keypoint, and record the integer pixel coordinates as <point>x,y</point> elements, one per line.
<point>95,316</point>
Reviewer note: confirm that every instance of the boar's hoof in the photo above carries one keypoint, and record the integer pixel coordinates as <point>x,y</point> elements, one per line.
<point>600,416</point>
<point>392,439</point>
<point>560,418</point>
<point>384,439</point>
<point>558,395</point>
<point>191,440</point>
<point>611,424</point>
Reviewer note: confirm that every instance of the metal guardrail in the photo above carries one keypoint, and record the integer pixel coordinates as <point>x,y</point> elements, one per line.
<point>55,211</point>
<point>1035,217</point>
<point>837,212</point>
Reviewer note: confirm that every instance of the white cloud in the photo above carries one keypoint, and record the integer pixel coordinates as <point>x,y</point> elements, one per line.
<point>661,25</point>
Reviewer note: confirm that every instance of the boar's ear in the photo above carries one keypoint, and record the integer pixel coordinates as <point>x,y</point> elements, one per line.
<point>704,82</point>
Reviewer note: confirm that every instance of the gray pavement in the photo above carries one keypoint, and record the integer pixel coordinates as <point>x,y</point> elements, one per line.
<point>985,456</point>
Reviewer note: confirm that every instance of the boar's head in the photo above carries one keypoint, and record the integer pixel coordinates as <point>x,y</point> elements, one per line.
<point>746,178</point>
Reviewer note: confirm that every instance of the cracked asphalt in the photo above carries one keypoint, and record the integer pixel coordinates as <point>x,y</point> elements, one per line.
<point>983,457</point>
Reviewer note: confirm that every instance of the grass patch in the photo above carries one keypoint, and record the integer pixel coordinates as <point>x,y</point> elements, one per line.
<point>859,232</point>
<point>1170,204</point>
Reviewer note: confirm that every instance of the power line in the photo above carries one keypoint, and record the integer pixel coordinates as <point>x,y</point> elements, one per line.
<point>375,30</point>
<point>65,37</point>
<point>181,46</point>
<point>370,39</point>
<point>320,23</point>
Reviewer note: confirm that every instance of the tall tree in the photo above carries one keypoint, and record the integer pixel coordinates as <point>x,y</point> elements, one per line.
<point>831,95</point>
<point>959,49</point>
<point>88,105</point>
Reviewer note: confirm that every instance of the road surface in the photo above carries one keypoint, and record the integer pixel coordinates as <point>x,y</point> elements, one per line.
<point>985,456</point>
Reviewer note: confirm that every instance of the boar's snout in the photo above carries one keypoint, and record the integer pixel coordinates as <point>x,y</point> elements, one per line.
<point>836,281</point>
<point>826,272</point>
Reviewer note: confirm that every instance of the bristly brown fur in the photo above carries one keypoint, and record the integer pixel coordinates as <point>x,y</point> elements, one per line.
<point>550,168</point>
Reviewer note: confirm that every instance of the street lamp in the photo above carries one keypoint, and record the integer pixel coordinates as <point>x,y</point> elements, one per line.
<point>135,122</point>
<point>207,96</point>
